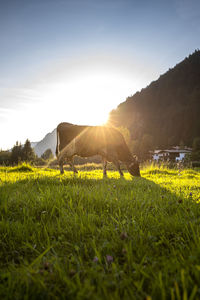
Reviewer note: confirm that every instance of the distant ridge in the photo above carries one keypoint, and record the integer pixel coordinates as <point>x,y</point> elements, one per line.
<point>49,141</point>
<point>168,110</point>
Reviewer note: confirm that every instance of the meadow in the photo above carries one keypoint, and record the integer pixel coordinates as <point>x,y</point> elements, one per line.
<point>85,237</point>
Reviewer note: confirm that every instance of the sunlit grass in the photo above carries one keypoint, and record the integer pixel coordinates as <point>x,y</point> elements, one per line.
<point>86,237</point>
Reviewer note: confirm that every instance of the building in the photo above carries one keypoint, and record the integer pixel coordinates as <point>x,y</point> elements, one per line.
<point>173,154</point>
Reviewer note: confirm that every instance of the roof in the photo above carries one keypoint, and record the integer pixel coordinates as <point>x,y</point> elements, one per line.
<point>171,151</point>
<point>177,151</point>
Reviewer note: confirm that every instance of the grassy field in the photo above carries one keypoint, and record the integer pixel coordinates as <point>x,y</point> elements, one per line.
<point>84,237</point>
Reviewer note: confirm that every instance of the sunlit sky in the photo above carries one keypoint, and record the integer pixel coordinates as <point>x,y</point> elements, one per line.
<point>76,60</point>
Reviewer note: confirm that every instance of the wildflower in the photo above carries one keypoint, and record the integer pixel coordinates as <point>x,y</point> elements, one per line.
<point>72,272</point>
<point>190,194</point>
<point>109,259</point>
<point>124,251</point>
<point>46,266</point>
<point>95,260</point>
<point>123,236</point>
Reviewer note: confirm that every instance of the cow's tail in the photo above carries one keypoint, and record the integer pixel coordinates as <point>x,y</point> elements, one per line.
<point>58,143</point>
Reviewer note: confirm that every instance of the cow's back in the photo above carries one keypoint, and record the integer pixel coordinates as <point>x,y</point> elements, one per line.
<point>94,139</point>
<point>66,132</point>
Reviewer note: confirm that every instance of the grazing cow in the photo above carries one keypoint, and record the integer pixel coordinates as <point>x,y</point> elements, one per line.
<point>86,141</point>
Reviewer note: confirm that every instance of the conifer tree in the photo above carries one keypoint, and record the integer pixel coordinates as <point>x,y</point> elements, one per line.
<point>47,155</point>
<point>16,154</point>
<point>28,153</point>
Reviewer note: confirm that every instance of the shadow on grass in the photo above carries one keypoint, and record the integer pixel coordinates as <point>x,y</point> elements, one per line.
<point>85,217</point>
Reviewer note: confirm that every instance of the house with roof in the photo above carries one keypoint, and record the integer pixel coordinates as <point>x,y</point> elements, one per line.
<point>173,154</point>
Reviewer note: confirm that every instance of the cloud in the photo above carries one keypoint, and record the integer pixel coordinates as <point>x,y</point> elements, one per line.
<point>5,112</point>
<point>14,98</point>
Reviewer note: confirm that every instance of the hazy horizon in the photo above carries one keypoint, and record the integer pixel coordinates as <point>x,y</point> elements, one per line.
<point>75,61</point>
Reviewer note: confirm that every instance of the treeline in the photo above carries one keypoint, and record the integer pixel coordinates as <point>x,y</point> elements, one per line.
<point>24,153</point>
<point>195,155</point>
<point>143,149</point>
<point>166,113</point>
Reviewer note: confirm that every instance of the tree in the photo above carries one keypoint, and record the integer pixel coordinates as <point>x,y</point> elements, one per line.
<point>146,145</point>
<point>135,147</point>
<point>5,157</point>
<point>25,153</point>
<point>47,155</point>
<point>16,153</point>
<point>28,153</point>
<point>196,144</point>
<point>195,156</point>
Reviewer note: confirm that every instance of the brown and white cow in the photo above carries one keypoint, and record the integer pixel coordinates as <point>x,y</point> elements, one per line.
<point>86,141</point>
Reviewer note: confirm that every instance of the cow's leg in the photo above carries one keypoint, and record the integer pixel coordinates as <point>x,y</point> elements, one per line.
<point>104,162</point>
<point>113,158</point>
<point>117,165</point>
<point>61,167</point>
<point>71,163</point>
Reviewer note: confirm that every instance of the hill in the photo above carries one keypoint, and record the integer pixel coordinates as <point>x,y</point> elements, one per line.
<point>49,141</point>
<point>165,113</point>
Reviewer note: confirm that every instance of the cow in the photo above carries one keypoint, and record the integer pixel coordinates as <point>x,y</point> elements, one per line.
<point>86,141</point>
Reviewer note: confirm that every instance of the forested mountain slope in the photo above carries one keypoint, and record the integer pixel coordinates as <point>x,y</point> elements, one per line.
<point>167,112</point>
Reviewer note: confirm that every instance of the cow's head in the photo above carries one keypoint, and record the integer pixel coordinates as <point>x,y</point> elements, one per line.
<point>133,167</point>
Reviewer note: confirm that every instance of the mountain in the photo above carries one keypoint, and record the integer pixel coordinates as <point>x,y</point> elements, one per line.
<point>165,113</point>
<point>33,144</point>
<point>49,141</point>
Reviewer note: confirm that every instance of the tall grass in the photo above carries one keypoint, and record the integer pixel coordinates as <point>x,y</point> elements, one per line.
<point>85,237</point>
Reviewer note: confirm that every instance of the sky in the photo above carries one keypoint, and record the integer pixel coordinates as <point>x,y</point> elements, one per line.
<point>76,60</point>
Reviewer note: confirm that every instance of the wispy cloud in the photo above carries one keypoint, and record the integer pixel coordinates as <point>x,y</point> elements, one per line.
<point>5,112</point>
<point>12,98</point>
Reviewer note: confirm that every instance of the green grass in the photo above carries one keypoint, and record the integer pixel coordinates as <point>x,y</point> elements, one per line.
<point>85,237</point>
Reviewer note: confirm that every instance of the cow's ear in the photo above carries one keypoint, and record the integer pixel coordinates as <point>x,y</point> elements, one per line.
<point>136,158</point>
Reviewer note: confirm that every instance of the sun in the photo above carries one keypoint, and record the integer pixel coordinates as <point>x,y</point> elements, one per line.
<point>90,99</point>
<point>83,100</point>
